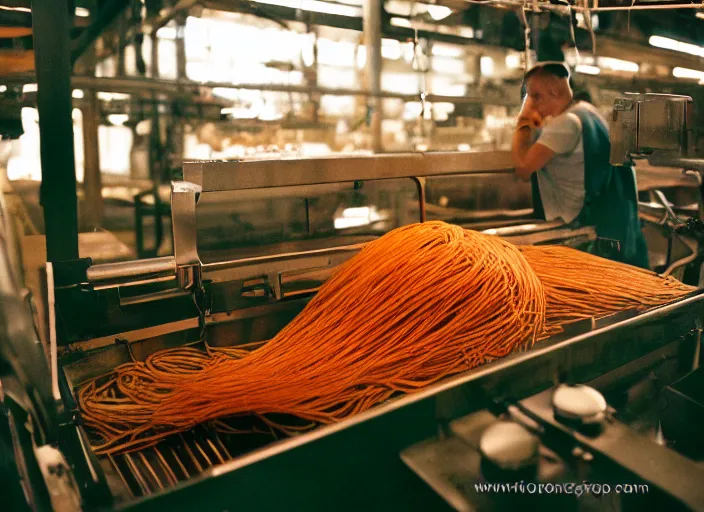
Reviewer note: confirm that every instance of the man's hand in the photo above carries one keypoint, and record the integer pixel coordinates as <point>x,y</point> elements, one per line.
<point>528,117</point>
<point>528,157</point>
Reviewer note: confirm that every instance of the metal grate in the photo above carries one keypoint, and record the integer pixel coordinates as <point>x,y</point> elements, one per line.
<point>174,460</point>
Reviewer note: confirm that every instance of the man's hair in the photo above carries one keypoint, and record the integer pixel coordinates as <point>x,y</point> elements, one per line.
<point>553,69</point>
<point>548,70</point>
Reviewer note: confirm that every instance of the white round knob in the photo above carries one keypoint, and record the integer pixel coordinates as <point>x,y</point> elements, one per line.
<point>579,403</point>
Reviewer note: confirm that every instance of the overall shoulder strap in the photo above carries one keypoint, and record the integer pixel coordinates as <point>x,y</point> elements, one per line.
<point>595,138</point>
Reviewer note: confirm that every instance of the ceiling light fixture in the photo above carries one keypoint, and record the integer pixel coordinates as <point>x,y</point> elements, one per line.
<point>586,69</point>
<point>439,12</point>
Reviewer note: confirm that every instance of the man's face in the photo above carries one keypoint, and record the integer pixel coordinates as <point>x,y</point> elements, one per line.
<point>548,96</point>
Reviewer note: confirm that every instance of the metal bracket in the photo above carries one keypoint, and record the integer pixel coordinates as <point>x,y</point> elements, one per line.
<point>184,197</point>
<point>623,104</point>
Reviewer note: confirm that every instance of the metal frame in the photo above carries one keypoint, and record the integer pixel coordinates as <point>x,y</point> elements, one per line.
<point>575,357</point>
<point>51,24</point>
<point>213,176</point>
<point>231,176</point>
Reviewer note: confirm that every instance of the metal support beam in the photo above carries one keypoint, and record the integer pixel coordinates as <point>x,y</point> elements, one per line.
<point>180,47</point>
<point>372,42</point>
<point>155,56</point>
<point>51,22</point>
<point>122,38</point>
<point>92,181</point>
<point>107,15</point>
<point>186,88</point>
<point>91,213</point>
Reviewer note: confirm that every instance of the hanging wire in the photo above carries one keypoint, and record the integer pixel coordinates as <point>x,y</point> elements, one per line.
<point>527,38</point>
<point>417,64</point>
<point>572,35</point>
<point>590,26</point>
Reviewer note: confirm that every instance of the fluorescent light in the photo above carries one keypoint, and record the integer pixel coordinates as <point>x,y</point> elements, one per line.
<point>241,113</point>
<point>618,64</point>
<point>18,9</point>
<point>317,6</point>
<point>412,110</point>
<point>401,22</point>
<point>664,42</point>
<point>29,88</point>
<point>409,52</point>
<point>110,96</point>
<point>677,46</point>
<point>700,15</point>
<point>226,93</point>
<point>586,69</point>
<point>688,73</point>
<point>118,119</point>
<point>308,54</point>
<point>467,32</point>
<point>336,53</point>
<point>77,94</point>
<point>446,50</point>
<point>268,112</point>
<point>439,12</point>
<point>448,66</point>
<point>361,56</point>
<point>390,49</point>
<point>3,88</point>
<point>355,217</point>
<point>82,12</point>
<point>513,61</point>
<point>167,33</point>
<point>362,211</point>
<point>595,21</point>
<point>486,66</point>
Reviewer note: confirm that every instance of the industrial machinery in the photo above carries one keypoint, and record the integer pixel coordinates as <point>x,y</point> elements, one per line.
<point>661,129</point>
<point>620,439</point>
<point>243,284</point>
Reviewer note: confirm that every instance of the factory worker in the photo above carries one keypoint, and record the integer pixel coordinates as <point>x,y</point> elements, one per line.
<point>563,147</point>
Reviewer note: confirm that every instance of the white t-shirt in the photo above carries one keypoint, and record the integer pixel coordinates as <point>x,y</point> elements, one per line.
<point>561,182</point>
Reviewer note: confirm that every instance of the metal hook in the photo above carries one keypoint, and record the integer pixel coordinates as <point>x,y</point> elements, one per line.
<point>123,341</point>
<point>526,32</point>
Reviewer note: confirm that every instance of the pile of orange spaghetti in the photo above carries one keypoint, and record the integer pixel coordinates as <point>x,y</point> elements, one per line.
<point>419,304</point>
<point>579,285</point>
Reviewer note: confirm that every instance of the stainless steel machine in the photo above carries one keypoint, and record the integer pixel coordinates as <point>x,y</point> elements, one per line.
<point>661,129</point>
<point>243,284</point>
<point>622,440</point>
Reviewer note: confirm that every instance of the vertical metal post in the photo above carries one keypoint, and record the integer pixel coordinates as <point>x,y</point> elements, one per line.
<point>176,127</point>
<point>92,212</point>
<point>180,47</point>
<point>51,22</point>
<point>155,55</point>
<point>92,181</point>
<point>121,33</point>
<point>372,42</point>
